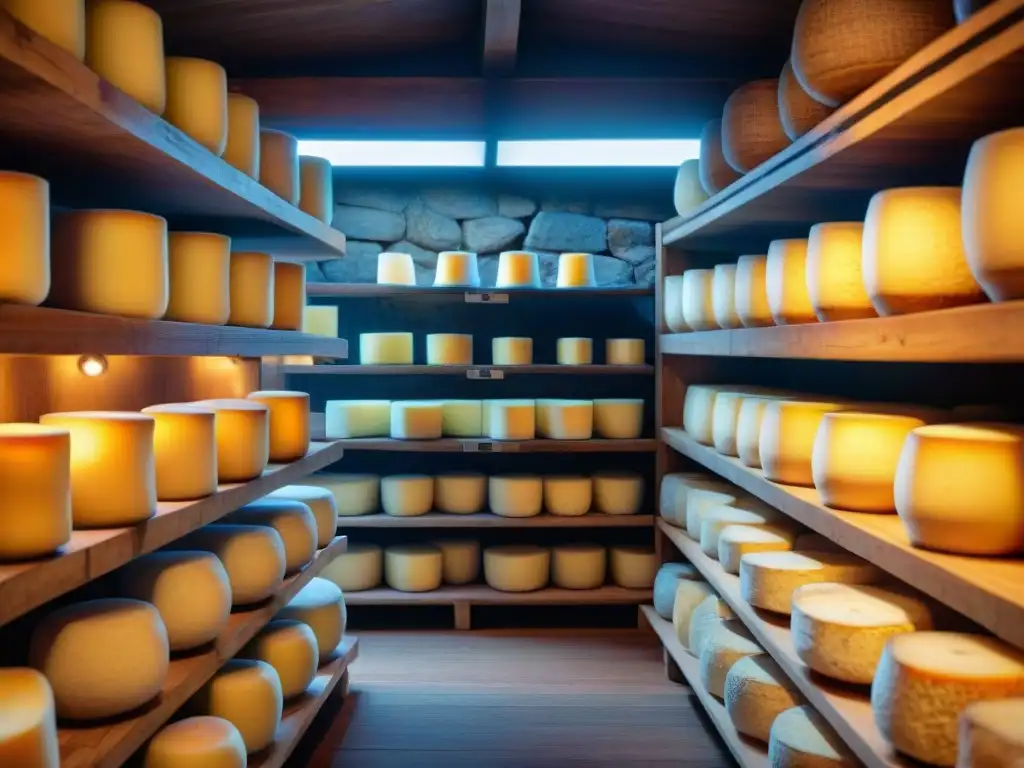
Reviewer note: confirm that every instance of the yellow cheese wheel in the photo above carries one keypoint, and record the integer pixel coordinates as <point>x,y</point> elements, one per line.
<point>512,350</point>
<point>565,419</point>
<point>125,45</point>
<point>688,194</point>
<point>698,299</point>
<point>517,495</point>
<point>357,418</point>
<point>416,419</point>
<point>768,579</point>
<point>25,249</point>
<point>293,521</point>
<point>110,262</point>
<point>462,418</point>
<point>243,438</point>
<point>103,658</point>
<point>619,418</point>
<point>321,606</point>
<point>568,495</point>
<point>517,567</point>
<point>518,269</point>
<point>201,742</point>
<point>990,734</point>
<point>358,568</point>
<point>715,173</point>
<point>29,735</point>
<point>689,594</point>
<point>735,541</point>
<point>723,296</point>
<point>624,352</point>
<point>575,351</point>
<point>751,126</point>
<point>197,100</point>
<point>575,270</point>
<point>709,613</point>
<point>798,110</point>
<point>191,591</point>
<point>320,502</point>
<point>960,488</point>
<point>633,567</point>
<point>786,444</point>
<point>252,555</point>
<point>835,283</point>
<point>756,692</point>
<point>800,738</point>
<point>725,644</point>
<point>354,494</point>
<point>279,164</point>
<point>672,304</point>
<point>751,297</point>
<point>252,289</point>
<point>320,321</point>
<point>395,269</point>
<point>62,22</point>
<point>290,647</point>
<point>289,295</point>
<point>618,493</point>
<point>462,493</point>
<point>786,283</point>
<point>413,567</point>
<point>407,495</point>
<point>246,693</point>
<point>242,148</point>
<point>511,419</point>
<point>460,560</point>
<point>316,188</point>
<point>457,268</point>
<point>925,679</point>
<point>673,496</point>
<point>185,451</point>
<point>35,490</point>
<point>913,252</point>
<point>289,423</point>
<point>199,268</point>
<point>449,349</point>
<point>385,348</point>
<point>717,520</point>
<point>666,581</point>
<point>578,566</point>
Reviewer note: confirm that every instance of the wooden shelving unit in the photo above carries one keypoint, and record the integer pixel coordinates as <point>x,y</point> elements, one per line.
<point>490,520</point>
<point>473,445</point>
<point>470,371</point>
<point>478,295</point>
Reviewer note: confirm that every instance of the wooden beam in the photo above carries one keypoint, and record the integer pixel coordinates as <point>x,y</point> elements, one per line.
<point>501,35</point>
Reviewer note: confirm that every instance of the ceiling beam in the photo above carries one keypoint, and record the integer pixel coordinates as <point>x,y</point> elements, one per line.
<point>501,36</point>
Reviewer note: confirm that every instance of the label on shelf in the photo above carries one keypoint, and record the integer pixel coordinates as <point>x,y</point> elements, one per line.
<point>487,298</point>
<point>489,446</point>
<point>480,374</point>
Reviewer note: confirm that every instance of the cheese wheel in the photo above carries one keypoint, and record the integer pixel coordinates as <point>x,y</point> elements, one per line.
<point>279,164</point>
<point>715,521</point>
<point>578,566</point>
<point>517,567</point>
<point>62,22</point>
<point>840,630</point>
<point>748,427</point>
<point>855,456</point>
<point>449,349</point>
<point>25,222</point>
<point>197,100</point>
<point>800,738</point>
<point>689,594</point>
<point>252,289</point>
<point>518,269</point>
<point>568,495</point>
<point>395,269</point>
<point>634,567</point>
<point>242,430</point>
<point>715,173</point>
<point>289,295</point>
<point>925,679</point>
<point>798,110</point>
<point>246,693</point>
<point>316,188</point>
<point>575,351</point>
<point>725,644</point>
<point>698,299</point>
<point>289,423</point>
<point>786,283</point>
<point>320,502</point>
<point>125,46</point>
<point>35,490</point>
<point>699,409</point>
<point>515,495</point>
<point>354,494</point>
<point>666,581</point>
<point>565,419</point>
<point>756,692</point>
<point>786,443</point>
<point>575,270</point>
<point>673,497</point>
<point>457,268</point>
<point>768,579</point>
<point>293,521</point>
<point>835,282</point>
<point>102,657</point>
<point>460,493</point>
<point>672,304</point>
<point>357,418</point>
<point>752,129</point>
<point>385,348</point>
<point>735,541</point>
<point>253,557</point>
<point>358,568</point>
<point>723,296</point>
<point>751,297</point>
<point>725,415</point>
<point>113,473</point>
<point>704,501</point>
<point>191,591</point>
<point>624,352</point>
<point>460,560</point>
<point>320,321</point>
<point>321,605</point>
<point>688,194</point>
<point>416,420</point>
<point>201,742</point>
<point>990,734</point>
<point>290,647</point>
<point>620,418</point>
<point>413,567</point>
<point>618,493</point>
<point>512,350</point>
<point>512,420</point>
<point>461,418</point>
<point>407,495</point>
<point>960,488</point>
<point>199,269</point>
<point>29,735</point>
<point>913,253</point>
<point>110,263</point>
<point>242,149</point>
<point>708,614</point>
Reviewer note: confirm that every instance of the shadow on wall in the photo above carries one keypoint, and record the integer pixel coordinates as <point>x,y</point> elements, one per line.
<point>621,236</point>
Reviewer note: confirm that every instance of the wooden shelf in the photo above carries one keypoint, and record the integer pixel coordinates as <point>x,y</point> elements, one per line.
<point>914,126</point>
<point>453,445</point>
<point>109,744</point>
<point>986,590</point>
<point>983,333</point>
<point>470,371</point>
<point>748,752</point>
<point>90,554</point>
<point>490,520</point>
<point>503,295</point>
<point>481,594</point>
<point>45,331</point>
<point>98,147</point>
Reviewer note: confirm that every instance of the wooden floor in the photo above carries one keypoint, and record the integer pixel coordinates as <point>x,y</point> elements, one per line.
<point>511,698</point>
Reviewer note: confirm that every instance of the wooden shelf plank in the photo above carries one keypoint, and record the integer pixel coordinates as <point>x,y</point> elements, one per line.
<point>453,445</point>
<point>45,331</point>
<point>983,333</point>
<point>90,554</point>
<point>373,290</point>
<point>462,370</point>
<point>986,590</point>
<point>481,594</point>
<point>748,753</point>
<point>108,744</point>
<point>490,520</point>
<point>914,126</point>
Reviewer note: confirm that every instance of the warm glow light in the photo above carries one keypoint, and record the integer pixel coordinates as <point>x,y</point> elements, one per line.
<point>397,153</point>
<point>601,153</point>
<point>92,365</point>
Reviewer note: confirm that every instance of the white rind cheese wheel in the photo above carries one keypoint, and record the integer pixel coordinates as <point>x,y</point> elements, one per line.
<point>786,283</point>
<point>251,289</point>
<point>320,502</point>
<point>289,423</point>
<point>618,493</point>
<point>518,269</point>
<point>357,418</point>
<point>25,220</point>
<point>575,351</point>
<point>575,270</point>
<point>320,321</point>
<point>673,497</point>
<point>633,567</point>
<point>290,647</point>
<point>512,419</point>
<point>624,352</point>
<point>293,521</point>
<point>699,410</point>
<point>62,22</point>
<point>243,438</point>
<point>103,658</point>
<point>353,494</point>
<point>512,350</point>
<point>29,735</point>
<point>197,100</point>
<point>517,495</point>
<point>289,295</point>
<point>800,738</point>
<point>242,149</point>
<point>925,679</point>
<point>725,644</point>
<point>279,164</point>
<point>751,285</point>
<point>462,418</point>
<point>252,555</point>
<point>735,541</point>
<point>568,495</point>
<point>125,46</point>
<point>672,304</point>
<point>517,567</point>
<point>666,581</point>
<point>184,451</point>
<point>723,296</point>
<point>835,283</point>
<point>748,426</point>
<point>413,567</point>
<point>199,271</point>
<point>407,495</point>
<point>756,692</point>
<point>840,630</point>
<point>321,605</point>
<point>359,568</point>
<point>689,594</point>
<point>698,299</point>
<point>768,579</point>
<point>385,348</point>
<point>709,613</point>
<point>578,566</point>
<point>786,443</point>
<point>395,269</point>
<point>620,418</point>
<point>316,188</point>
<point>688,194</point>
<point>457,268</point>
<point>565,419</point>
<point>717,520</point>
<point>449,349</point>
<point>202,742</point>
<point>247,694</point>
<point>416,420</point>
<point>991,736</point>
<point>705,501</point>
<point>725,415</point>
<point>460,560</point>
<point>463,493</point>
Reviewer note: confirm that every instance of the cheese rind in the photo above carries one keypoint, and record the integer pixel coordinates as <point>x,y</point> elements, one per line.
<point>293,521</point>
<point>575,270</point>
<point>723,296</point>
<point>618,493</point>
<point>416,419</point>
<point>316,188</point>
<point>735,541</point>
<point>385,348</point>
<point>708,614</point>
<point>449,349</point>
<point>25,222</point>
<point>715,521</point>
<point>197,100</point>
<point>320,321</point>
<point>252,555</point>
<point>279,164</point>
<point>620,418</point>
<point>835,283</point>
<point>290,647</point>
<point>624,352</point>
<point>460,560</point>
<point>798,110</point>
<point>688,194</point>
<point>354,494</point>
<point>289,423</point>
<point>672,304</point>
<point>751,298</point>
<point>568,495</point>
<point>725,421</point>
<point>357,418</point>
<point>62,22</point>
<point>246,693</point>
<point>633,567</point>
<point>786,283</point>
<point>460,493</point>
<point>515,495</point>
<point>518,269</point>
<point>201,742</point>
<point>321,605</point>
<point>413,567</point>
<point>125,46</point>
<point>199,272</point>
<point>511,419</point>
<point>689,594</point>
<point>786,442</point>
<point>666,581</point>
<point>768,579</point>
<point>990,734</point>
<point>715,173</point>
<point>289,295</point>
<point>698,299</point>
<point>512,350</point>
<point>575,351</point>
<point>565,419</point>
<point>320,502</point>
<point>252,289</point>
<point>748,428</point>
<point>462,418</point>
<point>242,149</point>
<point>698,411</point>
<point>517,567</point>
<point>407,495</point>
<point>457,268</point>
<point>706,499</point>
<point>358,568</point>
<point>395,269</point>
<point>725,644</point>
<point>756,692</point>
<point>578,566</point>
<point>29,735</point>
<point>800,738</point>
<point>673,498</point>
<point>242,429</point>
<point>752,129</point>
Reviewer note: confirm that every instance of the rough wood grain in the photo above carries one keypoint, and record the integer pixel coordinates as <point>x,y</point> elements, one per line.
<point>501,35</point>
<point>490,520</point>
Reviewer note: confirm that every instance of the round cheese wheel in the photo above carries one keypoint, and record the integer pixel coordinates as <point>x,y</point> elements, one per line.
<point>925,679</point>
<point>197,100</point>
<point>618,493</point>
<point>768,579</point>
<point>575,270</point>
<point>725,644</point>
<point>666,581</point>
<point>786,443</point>
<point>624,352</point>
<point>289,295</point>
<point>578,566</point>
<point>699,410</point>
<point>416,420</point>
<point>689,594</point>
<point>125,46</point>
<point>359,568</point>
<point>252,555</point>
<point>321,605</point>
<point>517,567</point>
<point>102,657</point>
<point>460,560</point>
<point>673,494</point>
<point>748,428</point>
<point>252,289</point>
<point>279,164</point>
<point>698,299</point>
<point>354,494</point>
<point>289,423</point>
<point>413,567</point>
<point>357,418</point>
<point>672,304</point>
<point>242,429</point>
<point>717,520</point>
<point>619,418</point>
<point>449,349</point>
<point>706,501</point>
<point>201,742</point>
<point>463,493</point>
<point>800,738</point>
<point>512,350</point>
<point>561,419</point>
<point>320,502</point>
<point>512,419</point>
<point>385,348</point>
<point>293,521</point>
<point>709,613</point>
<point>568,495</point>
<point>316,188</point>
<point>290,647</point>
<point>835,283</point>
<point>634,567</point>
<point>62,22</point>
<point>247,694</point>
<point>715,173</point>
<point>735,541</point>
<point>575,351</point>
<point>457,268</point>
<point>756,692</point>
<point>461,418</point>
<point>515,495</point>
<point>840,630</point>
<point>199,270</point>
<point>395,269</point>
<point>518,269</point>
<point>751,297</point>
<point>407,495</point>
<point>990,734</point>
<point>913,252</point>
<point>29,735</point>
<point>723,296</point>
<point>798,110</point>
<point>242,149</point>
<point>751,126</point>
<point>688,194</point>
<point>786,283</point>
<point>725,421</point>
<point>25,221</point>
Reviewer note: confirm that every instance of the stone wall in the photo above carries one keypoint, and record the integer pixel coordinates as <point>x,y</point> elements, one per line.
<point>424,222</point>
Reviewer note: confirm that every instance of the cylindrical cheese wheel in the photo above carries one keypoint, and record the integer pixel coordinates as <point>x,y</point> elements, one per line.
<point>252,289</point>
<point>725,415</point>
<point>672,304</point>
<point>786,283</point>
<point>512,350</point>
<point>565,419</point>
<point>358,568</point>
<point>706,500</point>
<point>689,594</point>
<point>395,269</point>
<point>698,299</point>
<point>457,268</point>
<point>29,736</point>
<point>102,657</point>
<point>800,738</point>
<point>202,742</point>
<point>125,46</point>
<point>407,495</point>
<point>715,173</point>
<point>578,566</point>
<point>320,502</point>
<point>568,495</point>
<point>723,296</point>
<point>698,411</point>
<point>197,100</point>
<point>575,270</point>
<point>768,579</point>
<point>185,451</point>
<point>835,283</point>
<point>242,149</point>
<point>316,188</point>
<point>354,494</point>
<point>517,567</point>
<point>247,694</point>
<point>674,494</point>
<point>756,692</point>
<point>990,734</point>
<point>62,22</point>
<point>252,555</point>
<point>243,438</point>
<point>748,427</point>
<point>633,567</point>
<point>462,418</point>
<point>798,110</point>
<point>191,591</point>
<point>707,614</point>
<point>385,348</point>
<point>35,490</point>
<point>751,126</point>
<point>25,249</point>
<point>416,420</point>
<point>413,567</point>
<point>624,351</point>
<point>293,521</point>
<point>913,251</point>
<point>357,418</point>
<point>460,493</point>
<point>666,581</point>
<point>321,605</point>
<point>575,351</point>
<point>925,679</point>
<point>688,193</point>
<point>618,493</point>
<point>515,495</point>
<point>786,444</point>
<point>320,321</point>
<point>289,295</point>
<point>619,418</point>
<point>279,164</point>
<point>735,541</point>
<point>449,349</point>
<point>751,297</point>
<point>199,267</point>
<point>518,269</point>
<point>290,647</point>
<point>460,560</point>
<point>289,423</point>
<point>717,520</point>
<point>725,644</point>
<point>512,419</point>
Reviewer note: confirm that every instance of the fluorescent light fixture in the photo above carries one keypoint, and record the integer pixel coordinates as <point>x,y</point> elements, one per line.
<point>397,154</point>
<point>599,153</point>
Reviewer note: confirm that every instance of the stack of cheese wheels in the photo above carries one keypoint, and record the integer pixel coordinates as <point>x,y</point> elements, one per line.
<point>913,252</point>
<point>289,295</point>
<point>703,502</point>
<point>715,521</point>
<point>768,579</point>
<point>715,173</point>
<point>320,321</point>
<point>243,438</point>
<point>798,110</point>
<point>197,100</point>
<point>253,557</point>
<point>565,419</point>
<point>125,46</point>
<point>512,419</point>
<point>959,487</point>
<point>688,194</point>
<point>461,418</point>
<point>35,490</point>
<point>698,299</point>
<point>924,680</point>
<point>756,692</point>
<point>725,644</point>
<point>672,303</point>
<point>407,495</point>
<point>990,734</point>
<point>575,351</point>
<point>246,693</point>
<point>416,420</point>
<point>251,290</point>
<point>723,296</point>
<point>460,493</point>
<point>279,164</point>
<point>460,560</point>
<point>103,658</point>
<point>786,283</point>
<point>835,281</point>
<point>578,566</point>
<point>751,292</point>
<point>320,605</point>
<point>354,494</point>
<point>320,502</point>
<point>359,568</point>
<point>395,269</point>
<point>689,594</point>
<point>512,350</point>
<point>575,270</point>
<point>666,581</point>
<point>515,495</point>
<point>413,567</point>
<point>199,278</point>
<point>385,348</point>
<point>457,268</point>
<point>25,216</point>
<point>786,442</point>
<point>198,741</point>
<point>518,269</point>
<point>752,130</point>
<point>706,615</point>
<point>618,493</point>
<point>290,647</point>
<point>839,630</point>
<point>568,495</point>
<point>800,737</point>
<point>449,349</point>
<point>673,496</point>
<point>316,188</point>
<point>735,541</point>
<point>357,418</point>
<point>293,521</point>
<point>289,423</point>
<point>242,149</point>
<point>620,418</point>
<point>634,567</point>
<point>59,22</point>
<point>517,567</point>
<point>624,351</point>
